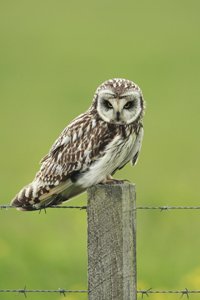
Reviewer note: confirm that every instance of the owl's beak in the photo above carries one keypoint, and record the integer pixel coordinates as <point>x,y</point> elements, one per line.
<point>118,116</point>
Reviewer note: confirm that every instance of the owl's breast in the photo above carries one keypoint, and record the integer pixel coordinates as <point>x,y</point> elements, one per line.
<point>116,154</point>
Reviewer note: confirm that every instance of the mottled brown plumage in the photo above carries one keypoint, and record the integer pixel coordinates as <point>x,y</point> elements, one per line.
<point>90,148</point>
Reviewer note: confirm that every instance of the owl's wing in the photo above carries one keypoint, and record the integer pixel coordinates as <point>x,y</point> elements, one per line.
<point>74,151</point>
<point>78,146</point>
<point>137,145</point>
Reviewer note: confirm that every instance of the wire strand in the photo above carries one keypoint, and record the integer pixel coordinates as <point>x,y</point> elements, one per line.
<point>7,206</point>
<point>161,208</point>
<point>147,292</point>
<point>186,292</point>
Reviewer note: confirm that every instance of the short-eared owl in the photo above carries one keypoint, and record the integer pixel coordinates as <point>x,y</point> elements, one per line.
<point>91,148</point>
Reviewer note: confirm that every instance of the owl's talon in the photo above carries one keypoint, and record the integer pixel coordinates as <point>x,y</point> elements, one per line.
<point>112,181</point>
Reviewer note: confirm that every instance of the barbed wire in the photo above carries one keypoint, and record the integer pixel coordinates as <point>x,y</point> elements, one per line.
<point>186,292</point>
<point>165,207</point>
<point>7,206</point>
<point>161,208</point>
<point>24,291</point>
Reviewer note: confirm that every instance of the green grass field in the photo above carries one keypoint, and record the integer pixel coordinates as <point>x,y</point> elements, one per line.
<point>53,56</point>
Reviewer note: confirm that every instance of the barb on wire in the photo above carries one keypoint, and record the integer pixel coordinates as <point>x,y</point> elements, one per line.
<point>144,293</point>
<point>186,292</point>
<point>23,291</point>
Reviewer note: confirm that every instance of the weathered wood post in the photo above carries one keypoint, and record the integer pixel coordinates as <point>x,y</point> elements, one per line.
<point>112,242</point>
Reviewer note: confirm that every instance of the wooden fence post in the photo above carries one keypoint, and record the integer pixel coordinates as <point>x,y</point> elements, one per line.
<point>112,242</point>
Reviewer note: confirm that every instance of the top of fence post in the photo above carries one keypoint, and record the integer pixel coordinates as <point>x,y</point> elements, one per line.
<point>112,242</point>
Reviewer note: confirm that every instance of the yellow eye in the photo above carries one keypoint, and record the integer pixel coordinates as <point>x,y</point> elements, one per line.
<point>107,104</point>
<point>129,105</point>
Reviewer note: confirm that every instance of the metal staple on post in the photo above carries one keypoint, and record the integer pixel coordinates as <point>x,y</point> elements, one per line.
<point>112,242</point>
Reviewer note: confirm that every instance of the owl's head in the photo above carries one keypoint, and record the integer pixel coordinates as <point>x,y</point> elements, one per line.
<point>119,101</point>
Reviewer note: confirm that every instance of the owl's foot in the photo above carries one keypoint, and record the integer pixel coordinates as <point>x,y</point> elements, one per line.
<point>110,180</point>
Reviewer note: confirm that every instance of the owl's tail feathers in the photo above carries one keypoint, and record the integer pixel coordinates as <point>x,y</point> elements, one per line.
<point>37,196</point>
<point>26,198</point>
<point>33,197</point>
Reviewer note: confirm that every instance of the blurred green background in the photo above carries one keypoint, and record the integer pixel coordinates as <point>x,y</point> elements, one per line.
<point>53,55</point>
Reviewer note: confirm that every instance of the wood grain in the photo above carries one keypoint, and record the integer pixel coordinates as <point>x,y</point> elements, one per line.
<point>112,242</point>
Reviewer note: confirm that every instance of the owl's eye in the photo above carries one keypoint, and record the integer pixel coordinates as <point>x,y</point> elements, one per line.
<point>107,104</point>
<point>129,105</point>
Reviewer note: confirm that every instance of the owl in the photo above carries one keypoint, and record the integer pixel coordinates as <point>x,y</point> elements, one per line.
<point>91,148</point>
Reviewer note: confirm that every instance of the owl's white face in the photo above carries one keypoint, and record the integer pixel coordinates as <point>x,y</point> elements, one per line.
<point>119,109</point>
